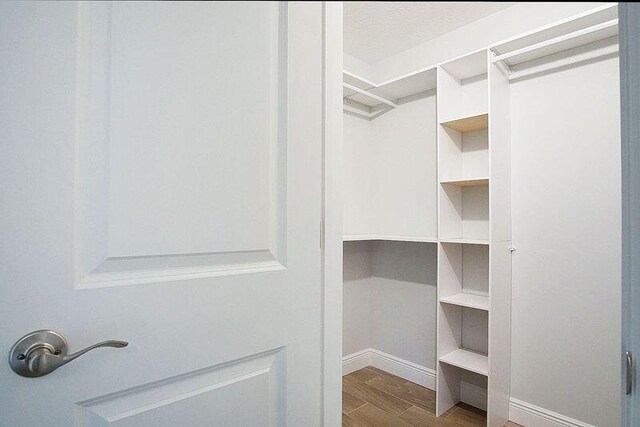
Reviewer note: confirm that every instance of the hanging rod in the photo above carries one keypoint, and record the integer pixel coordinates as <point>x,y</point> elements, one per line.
<point>556,40</point>
<point>370,95</point>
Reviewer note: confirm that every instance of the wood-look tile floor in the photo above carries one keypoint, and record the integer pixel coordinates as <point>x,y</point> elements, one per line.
<point>374,398</point>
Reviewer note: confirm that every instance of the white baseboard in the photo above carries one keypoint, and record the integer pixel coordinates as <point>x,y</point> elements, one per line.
<point>356,361</point>
<point>409,371</point>
<point>530,415</point>
<point>520,412</point>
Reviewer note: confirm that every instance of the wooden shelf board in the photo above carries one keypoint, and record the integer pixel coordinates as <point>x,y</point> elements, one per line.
<point>467,359</point>
<point>464,241</point>
<point>469,182</point>
<point>468,124</point>
<point>463,299</point>
<point>366,237</point>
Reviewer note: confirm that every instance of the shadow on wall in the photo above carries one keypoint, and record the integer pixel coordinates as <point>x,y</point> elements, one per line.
<point>390,299</point>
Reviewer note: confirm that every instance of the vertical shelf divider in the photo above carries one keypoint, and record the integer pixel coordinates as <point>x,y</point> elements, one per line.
<point>500,247</point>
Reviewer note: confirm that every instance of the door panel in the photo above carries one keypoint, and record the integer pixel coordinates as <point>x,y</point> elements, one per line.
<point>247,393</point>
<point>179,123</point>
<point>179,140</point>
<point>161,172</point>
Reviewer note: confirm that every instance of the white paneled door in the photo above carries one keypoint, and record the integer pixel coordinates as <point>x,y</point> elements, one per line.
<point>160,182</point>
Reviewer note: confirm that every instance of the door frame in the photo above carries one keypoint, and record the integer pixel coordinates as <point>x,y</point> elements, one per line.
<point>629,14</point>
<point>331,229</point>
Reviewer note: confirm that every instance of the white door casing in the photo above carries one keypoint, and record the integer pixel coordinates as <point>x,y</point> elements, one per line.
<point>630,89</point>
<point>160,183</point>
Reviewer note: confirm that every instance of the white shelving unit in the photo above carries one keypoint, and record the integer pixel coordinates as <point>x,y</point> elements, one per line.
<point>473,176</point>
<point>474,227</point>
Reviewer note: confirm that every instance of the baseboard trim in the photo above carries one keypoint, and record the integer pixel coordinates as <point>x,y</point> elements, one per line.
<point>409,371</point>
<point>527,414</point>
<point>520,412</point>
<point>356,361</point>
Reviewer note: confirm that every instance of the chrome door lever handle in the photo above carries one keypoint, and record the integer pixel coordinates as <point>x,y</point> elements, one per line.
<point>41,352</point>
<point>629,385</point>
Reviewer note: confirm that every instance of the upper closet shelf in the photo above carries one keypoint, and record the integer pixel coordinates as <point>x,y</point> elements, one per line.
<point>467,66</point>
<point>370,100</point>
<point>592,26</point>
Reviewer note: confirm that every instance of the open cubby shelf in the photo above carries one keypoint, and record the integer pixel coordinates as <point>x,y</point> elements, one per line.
<point>464,212</point>
<point>463,153</point>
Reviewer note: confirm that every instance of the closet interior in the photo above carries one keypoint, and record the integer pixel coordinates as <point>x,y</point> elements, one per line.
<point>427,215</point>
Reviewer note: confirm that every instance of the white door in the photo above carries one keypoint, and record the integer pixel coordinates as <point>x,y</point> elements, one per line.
<point>160,181</point>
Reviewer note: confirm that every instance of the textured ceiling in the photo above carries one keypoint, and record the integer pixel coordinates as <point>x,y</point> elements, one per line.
<point>376,30</point>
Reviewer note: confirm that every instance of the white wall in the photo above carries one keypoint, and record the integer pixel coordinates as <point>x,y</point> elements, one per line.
<point>390,299</point>
<point>358,169</point>
<point>390,189</point>
<point>566,178</point>
<point>390,171</point>
<point>405,189</point>
<point>357,66</point>
<point>357,298</point>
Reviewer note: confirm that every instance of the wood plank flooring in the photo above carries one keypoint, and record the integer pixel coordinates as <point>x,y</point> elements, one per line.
<point>374,398</point>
